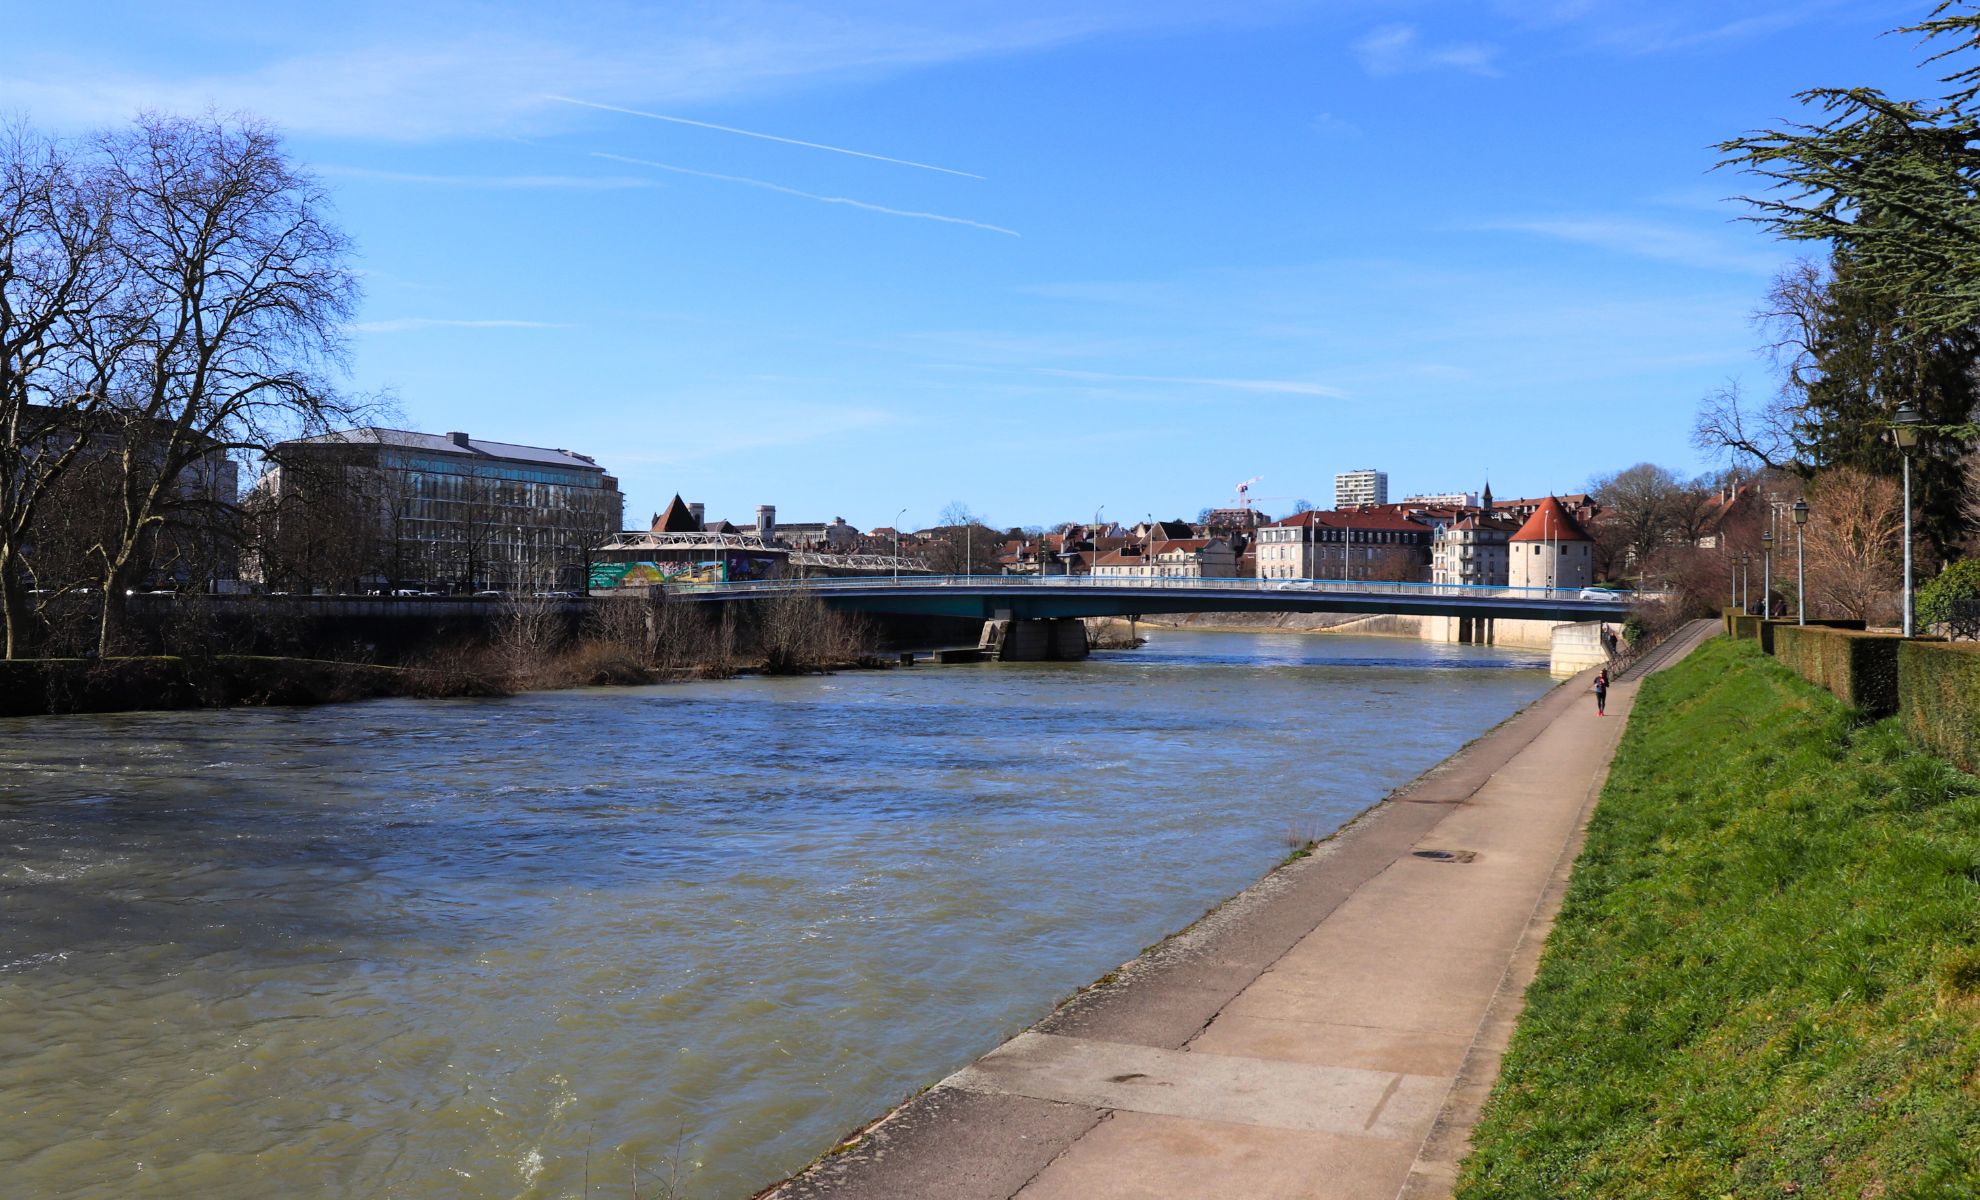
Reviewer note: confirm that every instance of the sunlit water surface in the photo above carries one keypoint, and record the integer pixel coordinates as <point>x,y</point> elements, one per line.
<point>490,948</point>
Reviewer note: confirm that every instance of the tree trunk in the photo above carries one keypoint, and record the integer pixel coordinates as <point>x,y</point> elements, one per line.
<point>111,622</point>
<point>13,604</point>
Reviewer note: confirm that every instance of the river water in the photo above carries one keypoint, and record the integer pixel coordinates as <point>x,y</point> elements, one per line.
<point>497,948</point>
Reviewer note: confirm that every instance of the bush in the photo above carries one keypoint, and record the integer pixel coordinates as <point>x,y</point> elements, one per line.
<point>1768,627</point>
<point>1952,599</point>
<point>1939,699</point>
<point>1859,669</point>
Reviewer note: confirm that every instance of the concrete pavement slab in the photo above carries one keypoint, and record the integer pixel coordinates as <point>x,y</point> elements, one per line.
<point>1138,1156</point>
<point>1213,1087</point>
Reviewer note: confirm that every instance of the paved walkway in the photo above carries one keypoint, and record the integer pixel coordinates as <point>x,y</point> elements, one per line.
<point>1330,1033</point>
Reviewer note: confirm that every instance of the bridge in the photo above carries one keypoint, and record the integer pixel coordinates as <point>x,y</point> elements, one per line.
<point>1033,616</point>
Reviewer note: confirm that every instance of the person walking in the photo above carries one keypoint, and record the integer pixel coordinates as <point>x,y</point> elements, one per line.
<point>1602,693</point>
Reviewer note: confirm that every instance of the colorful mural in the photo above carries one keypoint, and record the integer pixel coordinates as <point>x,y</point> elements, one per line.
<point>730,567</point>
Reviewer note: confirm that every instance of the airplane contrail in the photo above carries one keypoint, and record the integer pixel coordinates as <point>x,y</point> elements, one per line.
<point>768,137</point>
<point>791,191</point>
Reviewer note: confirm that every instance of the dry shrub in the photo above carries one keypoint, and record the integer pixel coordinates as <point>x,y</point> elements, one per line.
<point>797,634</point>
<point>528,634</point>
<point>460,671</point>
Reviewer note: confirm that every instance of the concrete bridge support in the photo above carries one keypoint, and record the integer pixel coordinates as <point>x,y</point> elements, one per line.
<point>1576,648</point>
<point>1056,639</point>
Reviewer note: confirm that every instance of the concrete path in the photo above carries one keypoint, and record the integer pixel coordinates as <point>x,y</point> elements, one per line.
<point>1331,1032</point>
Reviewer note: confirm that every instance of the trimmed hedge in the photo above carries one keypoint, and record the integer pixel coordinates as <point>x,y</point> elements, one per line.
<point>1768,627</point>
<point>1939,699</point>
<point>1743,626</point>
<point>1860,669</point>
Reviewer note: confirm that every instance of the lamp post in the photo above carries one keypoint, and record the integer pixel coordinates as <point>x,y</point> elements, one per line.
<point>1732,575</point>
<point>1800,511</point>
<point>1745,592</point>
<point>897,544</point>
<point>1767,572</point>
<point>1904,431</point>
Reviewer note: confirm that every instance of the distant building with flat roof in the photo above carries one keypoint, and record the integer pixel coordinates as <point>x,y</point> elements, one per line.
<point>1358,487</point>
<point>436,512</point>
<point>1444,499</point>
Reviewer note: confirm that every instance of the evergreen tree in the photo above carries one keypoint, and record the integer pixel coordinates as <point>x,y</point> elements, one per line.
<point>1864,362</point>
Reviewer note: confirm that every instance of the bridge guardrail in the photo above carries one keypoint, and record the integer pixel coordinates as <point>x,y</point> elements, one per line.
<point>1359,587</point>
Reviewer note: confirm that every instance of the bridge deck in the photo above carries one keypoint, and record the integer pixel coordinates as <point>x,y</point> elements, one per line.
<point>1027,597</point>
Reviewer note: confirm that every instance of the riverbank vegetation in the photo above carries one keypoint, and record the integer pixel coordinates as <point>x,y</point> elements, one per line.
<point>533,645</point>
<point>1765,979</point>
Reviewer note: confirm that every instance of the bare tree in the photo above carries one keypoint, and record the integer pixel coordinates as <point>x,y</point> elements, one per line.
<point>530,631</point>
<point>798,634</point>
<point>57,273</point>
<point>1854,543</point>
<point>1729,425</point>
<point>1638,511</point>
<point>237,294</point>
<point>963,543</point>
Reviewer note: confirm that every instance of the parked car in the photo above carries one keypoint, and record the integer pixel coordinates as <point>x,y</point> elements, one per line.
<point>491,594</point>
<point>556,595</point>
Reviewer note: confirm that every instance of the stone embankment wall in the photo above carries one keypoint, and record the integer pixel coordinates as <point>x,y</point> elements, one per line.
<point>1571,647</point>
<point>1530,635</point>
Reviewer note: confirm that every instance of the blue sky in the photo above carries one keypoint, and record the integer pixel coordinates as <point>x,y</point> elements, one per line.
<point>1170,246</point>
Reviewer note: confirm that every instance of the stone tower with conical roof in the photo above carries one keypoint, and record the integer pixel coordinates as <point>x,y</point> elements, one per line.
<point>1551,550</point>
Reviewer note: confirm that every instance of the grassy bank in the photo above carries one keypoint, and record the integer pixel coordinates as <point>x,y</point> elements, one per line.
<point>1765,980</point>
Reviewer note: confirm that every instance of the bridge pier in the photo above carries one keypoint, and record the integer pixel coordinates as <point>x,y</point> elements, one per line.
<point>1051,639</point>
<point>1576,648</point>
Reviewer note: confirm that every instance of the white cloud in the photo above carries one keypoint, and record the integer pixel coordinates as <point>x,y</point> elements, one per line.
<point>1280,387</point>
<point>587,183</point>
<point>791,191</point>
<point>1397,49</point>
<point>399,74</point>
<point>415,324</point>
<point>768,137</point>
<point>1647,239</point>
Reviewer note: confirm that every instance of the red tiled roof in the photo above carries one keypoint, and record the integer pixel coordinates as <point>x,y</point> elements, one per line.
<point>1551,522</point>
<point>1354,518</point>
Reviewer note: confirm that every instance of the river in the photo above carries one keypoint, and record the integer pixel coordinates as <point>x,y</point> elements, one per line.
<point>496,948</point>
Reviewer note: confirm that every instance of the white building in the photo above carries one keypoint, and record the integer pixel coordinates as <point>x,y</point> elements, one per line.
<point>1342,545</point>
<point>1364,486</point>
<point>1473,551</point>
<point>1178,558</point>
<point>1551,550</point>
<point>1444,500</point>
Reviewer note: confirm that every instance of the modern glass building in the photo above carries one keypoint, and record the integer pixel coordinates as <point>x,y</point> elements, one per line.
<point>378,508</point>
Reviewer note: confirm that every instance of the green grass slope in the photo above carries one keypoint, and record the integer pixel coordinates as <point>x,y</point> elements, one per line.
<point>1765,979</point>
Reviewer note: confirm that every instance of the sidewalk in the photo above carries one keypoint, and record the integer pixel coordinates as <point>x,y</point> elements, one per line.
<point>1330,1033</point>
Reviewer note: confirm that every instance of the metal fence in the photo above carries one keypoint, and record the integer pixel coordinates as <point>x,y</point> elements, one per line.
<point>1605,600</point>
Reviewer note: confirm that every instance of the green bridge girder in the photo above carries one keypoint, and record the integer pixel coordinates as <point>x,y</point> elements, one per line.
<point>1032,602</point>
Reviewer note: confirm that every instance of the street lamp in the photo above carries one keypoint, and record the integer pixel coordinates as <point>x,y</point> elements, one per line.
<point>897,544</point>
<point>1767,572</point>
<point>1800,511</point>
<point>1905,431</point>
<point>1745,592</point>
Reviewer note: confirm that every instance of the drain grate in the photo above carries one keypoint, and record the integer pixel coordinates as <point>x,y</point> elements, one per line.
<point>1450,856</point>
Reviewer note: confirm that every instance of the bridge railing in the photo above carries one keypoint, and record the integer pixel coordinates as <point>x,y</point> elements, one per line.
<point>1248,587</point>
